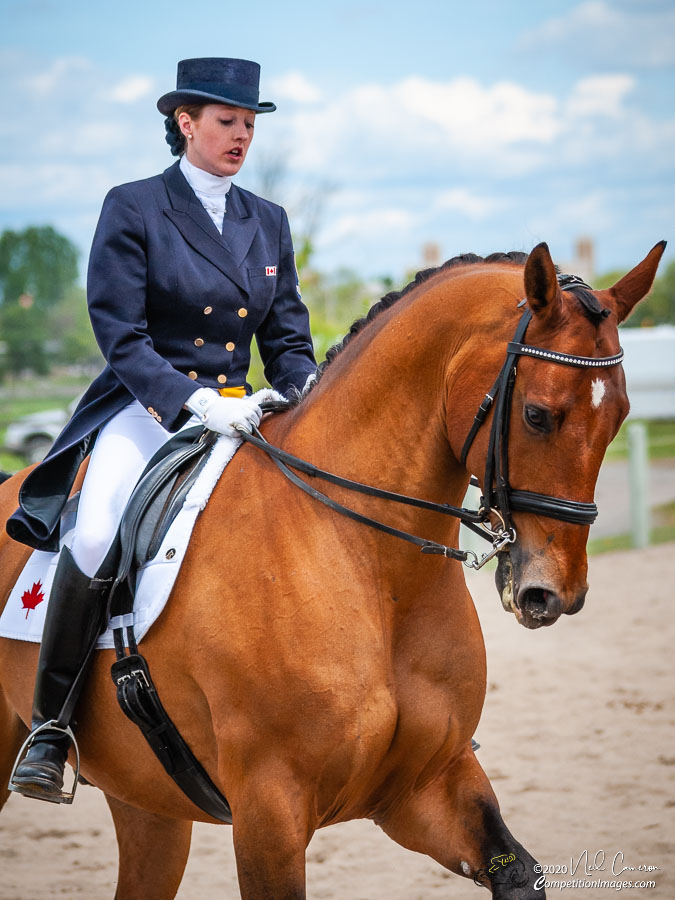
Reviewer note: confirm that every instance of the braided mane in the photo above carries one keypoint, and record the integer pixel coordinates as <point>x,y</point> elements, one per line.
<point>464,259</point>
<point>589,303</point>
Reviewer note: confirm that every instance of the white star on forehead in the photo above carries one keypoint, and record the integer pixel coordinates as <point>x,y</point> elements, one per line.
<point>597,392</point>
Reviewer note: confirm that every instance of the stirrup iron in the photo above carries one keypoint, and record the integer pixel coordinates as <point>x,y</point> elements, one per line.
<point>64,796</point>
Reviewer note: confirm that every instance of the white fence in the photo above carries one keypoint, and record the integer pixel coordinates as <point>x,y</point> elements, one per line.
<point>649,365</point>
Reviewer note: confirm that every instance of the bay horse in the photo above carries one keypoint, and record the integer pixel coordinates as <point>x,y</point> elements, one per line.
<point>320,670</point>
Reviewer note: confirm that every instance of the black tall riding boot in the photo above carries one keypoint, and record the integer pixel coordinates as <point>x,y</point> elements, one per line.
<point>75,617</point>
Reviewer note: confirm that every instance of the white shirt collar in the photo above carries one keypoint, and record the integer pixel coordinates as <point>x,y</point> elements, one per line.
<point>203,182</point>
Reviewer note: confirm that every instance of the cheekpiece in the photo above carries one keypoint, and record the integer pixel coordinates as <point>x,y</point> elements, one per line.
<point>216,80</point>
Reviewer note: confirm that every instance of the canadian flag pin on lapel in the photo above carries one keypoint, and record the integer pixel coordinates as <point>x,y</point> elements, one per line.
<point>270,270</point>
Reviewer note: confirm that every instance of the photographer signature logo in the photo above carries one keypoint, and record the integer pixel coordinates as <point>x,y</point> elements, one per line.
<point>500,861</point>
<point>504,868</point>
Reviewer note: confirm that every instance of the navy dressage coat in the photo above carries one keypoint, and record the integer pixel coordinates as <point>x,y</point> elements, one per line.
<point>174,306</point>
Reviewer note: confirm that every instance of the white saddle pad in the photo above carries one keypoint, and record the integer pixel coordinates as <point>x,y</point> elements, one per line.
<point>24,615</point>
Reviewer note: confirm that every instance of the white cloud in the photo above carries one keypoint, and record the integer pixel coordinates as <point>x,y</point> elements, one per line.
<point>589,213</point>
<point>352,225</point>
<point>472,205</point>
<point>600,95</point>
<point>469,114</point>
<point>131,89</point>
<point>296,87</point>
<point>462,126</point>
<point>43,84</point>
<point>607,33</point>
<point>416,121</point>
<point>51,183</point>
<point>93,138</point>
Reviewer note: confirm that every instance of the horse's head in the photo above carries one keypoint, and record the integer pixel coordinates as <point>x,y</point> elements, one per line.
<point>562,416</point>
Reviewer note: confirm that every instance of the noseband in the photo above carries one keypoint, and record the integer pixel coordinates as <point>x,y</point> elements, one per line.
<point>499,498</point>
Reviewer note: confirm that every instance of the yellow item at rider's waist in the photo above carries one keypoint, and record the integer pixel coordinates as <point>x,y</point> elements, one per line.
<point>232,392</point>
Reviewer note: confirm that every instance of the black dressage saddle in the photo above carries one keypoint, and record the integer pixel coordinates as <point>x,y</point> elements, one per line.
<point>158,498</point>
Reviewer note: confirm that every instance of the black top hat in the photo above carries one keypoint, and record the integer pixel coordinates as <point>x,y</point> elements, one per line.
<point>214,80</point>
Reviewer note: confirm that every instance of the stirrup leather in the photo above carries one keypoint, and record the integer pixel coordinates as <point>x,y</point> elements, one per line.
<point>64,796</point>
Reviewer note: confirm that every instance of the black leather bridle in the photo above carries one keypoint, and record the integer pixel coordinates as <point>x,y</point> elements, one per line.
<point>499,498</point>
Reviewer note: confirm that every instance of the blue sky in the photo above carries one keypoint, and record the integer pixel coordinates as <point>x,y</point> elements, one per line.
<point>480,126</point>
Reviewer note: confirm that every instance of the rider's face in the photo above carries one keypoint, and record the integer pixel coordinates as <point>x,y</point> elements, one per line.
<point>219,139</point>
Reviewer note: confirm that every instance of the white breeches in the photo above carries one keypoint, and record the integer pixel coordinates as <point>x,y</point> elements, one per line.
<point>122,450</point>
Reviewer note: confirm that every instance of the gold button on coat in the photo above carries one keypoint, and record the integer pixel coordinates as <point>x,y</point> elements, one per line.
<point>229,346</point>
<point>242,312</point>
<point>199,342</point>
<point>192,375</point>
<point>208,310</point>
<point>221,379</point>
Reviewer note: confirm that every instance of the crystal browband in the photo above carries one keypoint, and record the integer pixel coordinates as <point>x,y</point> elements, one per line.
<point>565,359</point>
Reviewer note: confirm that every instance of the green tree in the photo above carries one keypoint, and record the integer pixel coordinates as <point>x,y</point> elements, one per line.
<point>38,266</point>
<point>39,262</point>
<point>660,304</point>
<point>24,332</point>
<point>71,331</point>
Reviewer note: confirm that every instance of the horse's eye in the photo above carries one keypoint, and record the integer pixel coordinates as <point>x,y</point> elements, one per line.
<point>537,418</point>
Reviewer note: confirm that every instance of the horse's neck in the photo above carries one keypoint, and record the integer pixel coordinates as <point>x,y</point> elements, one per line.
<point>378,413</point>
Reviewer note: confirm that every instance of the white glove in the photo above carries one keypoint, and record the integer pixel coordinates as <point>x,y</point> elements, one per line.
<point>221,413</point>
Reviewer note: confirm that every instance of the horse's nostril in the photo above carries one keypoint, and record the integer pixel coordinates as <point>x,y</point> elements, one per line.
<point>540,603</point>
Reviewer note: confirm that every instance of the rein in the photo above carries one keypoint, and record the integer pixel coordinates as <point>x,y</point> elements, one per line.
<point>499,498</point>
<point>285,461</point>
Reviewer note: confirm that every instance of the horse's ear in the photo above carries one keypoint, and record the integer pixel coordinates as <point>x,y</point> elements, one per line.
<point>541,286</point>
<point>627,292</point>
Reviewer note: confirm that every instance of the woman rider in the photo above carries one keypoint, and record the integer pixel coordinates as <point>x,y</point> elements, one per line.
<point>185,269</point>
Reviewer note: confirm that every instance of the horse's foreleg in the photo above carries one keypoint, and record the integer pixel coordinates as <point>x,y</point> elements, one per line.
<point>455,819</point>
<point>14,733</point>
<point>153,852</point>
<point>271,834</point>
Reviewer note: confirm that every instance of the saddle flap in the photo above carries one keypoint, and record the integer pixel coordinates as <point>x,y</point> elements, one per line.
<point>151,504</point>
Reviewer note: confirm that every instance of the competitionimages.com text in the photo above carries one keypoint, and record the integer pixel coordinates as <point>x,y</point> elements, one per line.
<point>572,883</point>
